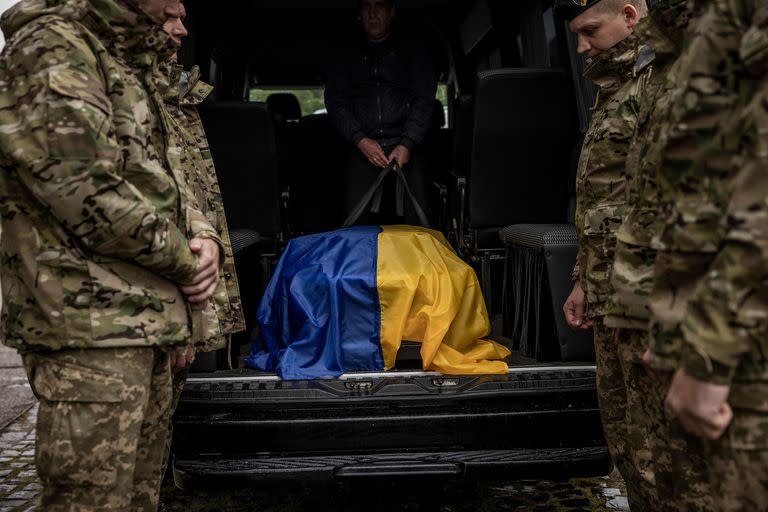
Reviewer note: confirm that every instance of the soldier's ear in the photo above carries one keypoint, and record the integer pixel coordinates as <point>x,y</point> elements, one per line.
<point>631,15</point>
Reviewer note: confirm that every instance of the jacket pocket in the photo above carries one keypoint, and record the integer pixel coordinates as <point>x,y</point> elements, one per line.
<point>600,226</point>
<point>598,245</point>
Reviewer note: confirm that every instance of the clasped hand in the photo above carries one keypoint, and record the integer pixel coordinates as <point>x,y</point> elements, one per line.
<point>203,286</point>
<point>373,151</point>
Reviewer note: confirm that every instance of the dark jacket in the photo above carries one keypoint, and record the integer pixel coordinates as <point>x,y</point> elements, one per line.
<point>385,91</point>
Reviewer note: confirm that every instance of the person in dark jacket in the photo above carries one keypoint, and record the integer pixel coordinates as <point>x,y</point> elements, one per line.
<point>380,96</point>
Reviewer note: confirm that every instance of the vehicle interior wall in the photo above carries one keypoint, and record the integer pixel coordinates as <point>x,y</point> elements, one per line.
<point>287,44</point>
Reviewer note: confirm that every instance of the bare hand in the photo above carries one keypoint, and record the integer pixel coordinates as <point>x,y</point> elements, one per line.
<point>402,154</point>
<point>649,370</point>
<point>702,407</point>
<point>182,361</point>
<point>204,284</point>
<point>373,152</point>
<point>574,309</point>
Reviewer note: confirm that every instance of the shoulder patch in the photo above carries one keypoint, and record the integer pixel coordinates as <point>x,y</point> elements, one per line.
<point>645,58</point>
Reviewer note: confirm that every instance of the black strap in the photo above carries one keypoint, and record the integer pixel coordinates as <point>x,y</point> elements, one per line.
<point>373,197</point>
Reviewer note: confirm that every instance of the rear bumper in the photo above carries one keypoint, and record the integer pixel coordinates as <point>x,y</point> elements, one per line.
<point>534,422</point>
<point>485,465</point>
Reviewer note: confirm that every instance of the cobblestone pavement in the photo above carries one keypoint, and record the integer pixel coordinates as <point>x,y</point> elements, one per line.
<point>18,479</point>
<point>19,486</point>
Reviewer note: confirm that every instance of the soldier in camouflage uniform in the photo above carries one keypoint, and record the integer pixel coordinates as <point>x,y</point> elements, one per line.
<point>103,250</point>
<point>182,92</point>
<point>680,477</point>
<point>600,208</point>
<point>709,302</point>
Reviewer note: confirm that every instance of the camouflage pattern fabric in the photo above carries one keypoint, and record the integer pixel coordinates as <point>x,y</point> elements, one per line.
<point>632,273</point>
<point>680,469</point>
<point>182,93</point>
<point>632,411</point>
<point>709,301</point>
<point>739,464</point>
<point>95,223</point>
<point>600,183</point>
<point>666,457</point>
<point>621,74</point>
<point>102,427</point>
<point>95,226</point>
<point>612,395</point>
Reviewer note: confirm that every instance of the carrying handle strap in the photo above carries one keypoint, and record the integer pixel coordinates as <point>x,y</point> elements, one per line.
<point>402,183</point>
<point>373,197</point>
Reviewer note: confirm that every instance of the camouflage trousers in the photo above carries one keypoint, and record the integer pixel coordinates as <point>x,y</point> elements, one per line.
<point>630,405</point>
<point>102,427</point>
<point>179,379</point>
<point>738,463</point>
<point>661,447</point>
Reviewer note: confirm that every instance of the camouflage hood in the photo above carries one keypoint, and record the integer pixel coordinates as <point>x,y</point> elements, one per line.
<point>121,25</point>
<point>669,22</point>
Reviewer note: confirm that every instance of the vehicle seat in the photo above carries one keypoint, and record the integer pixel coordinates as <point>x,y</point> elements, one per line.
<point>512,157</point>
<point>317,189</point>
<point>242,140</point>
<point>537,281</point>
<point>285,107</point>
<point>523,128</point>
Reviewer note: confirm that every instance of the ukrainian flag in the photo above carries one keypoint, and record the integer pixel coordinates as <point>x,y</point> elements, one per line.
<point>343,302</point>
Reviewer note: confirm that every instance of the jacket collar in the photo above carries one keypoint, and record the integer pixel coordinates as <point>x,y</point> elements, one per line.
<point>179,87</point>
<point>612,68</point>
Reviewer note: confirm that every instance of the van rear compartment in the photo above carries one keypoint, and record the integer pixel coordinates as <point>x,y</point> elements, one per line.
<point>256,420</point>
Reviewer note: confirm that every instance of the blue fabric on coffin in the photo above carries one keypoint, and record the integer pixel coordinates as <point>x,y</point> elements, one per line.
<point>320,315</point>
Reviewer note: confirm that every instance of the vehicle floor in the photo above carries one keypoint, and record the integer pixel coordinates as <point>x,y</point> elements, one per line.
<point>408,360</point>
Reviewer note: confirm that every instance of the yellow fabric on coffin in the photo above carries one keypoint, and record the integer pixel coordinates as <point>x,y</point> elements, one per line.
<point>430,296</point>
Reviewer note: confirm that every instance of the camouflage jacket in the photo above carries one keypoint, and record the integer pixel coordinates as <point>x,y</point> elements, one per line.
<point>710,302</point>
<point>632,273</point>
<point>600,183</point>
<point>95,223</point>
<point>183,92</point>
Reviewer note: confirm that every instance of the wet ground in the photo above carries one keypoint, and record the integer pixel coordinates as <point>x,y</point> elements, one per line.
<point>19,486</point>
<point>593,494</point>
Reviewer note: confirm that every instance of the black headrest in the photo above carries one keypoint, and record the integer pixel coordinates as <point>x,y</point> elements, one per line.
<point>285,106</point>
<point>438,115</point>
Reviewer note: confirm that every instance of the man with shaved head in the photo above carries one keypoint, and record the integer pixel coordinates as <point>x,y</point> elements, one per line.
<point>607,32</point>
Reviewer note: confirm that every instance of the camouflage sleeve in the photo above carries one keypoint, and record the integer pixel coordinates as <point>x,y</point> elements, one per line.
<point>576,273</point>
<point>728,316</point>
<point>579,222</point>
<point>200,227</point>
<point>66,153</point>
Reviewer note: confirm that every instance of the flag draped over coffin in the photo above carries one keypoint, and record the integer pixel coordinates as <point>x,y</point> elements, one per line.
<point>343,302</point>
